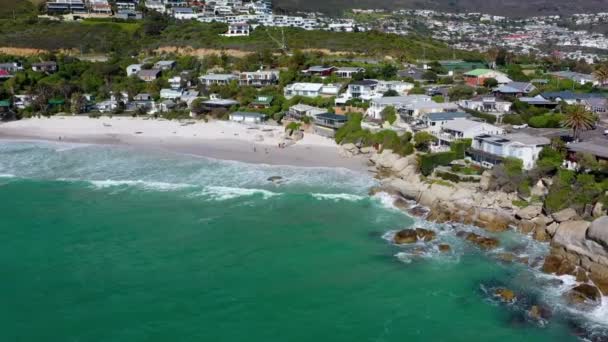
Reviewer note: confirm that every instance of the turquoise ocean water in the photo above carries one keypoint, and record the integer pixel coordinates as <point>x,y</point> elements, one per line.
<point>111,244</point>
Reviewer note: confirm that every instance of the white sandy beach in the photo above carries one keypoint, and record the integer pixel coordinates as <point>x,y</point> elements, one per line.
<point>214,139</point>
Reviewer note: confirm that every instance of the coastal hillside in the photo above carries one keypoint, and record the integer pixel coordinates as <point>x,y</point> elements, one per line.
<point>512,8</point>
<point>128,38</point>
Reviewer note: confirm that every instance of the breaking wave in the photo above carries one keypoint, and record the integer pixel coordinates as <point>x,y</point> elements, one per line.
<point>338,197</point>
<point>222,193</point>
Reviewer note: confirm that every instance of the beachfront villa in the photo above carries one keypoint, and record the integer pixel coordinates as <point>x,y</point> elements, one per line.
<point>327,124</point>
<point>310,90</point>
<point>489,150</point>
<point>463,128</point>
<point>247,117</point>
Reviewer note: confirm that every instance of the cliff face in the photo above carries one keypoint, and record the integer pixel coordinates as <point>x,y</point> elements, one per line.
<point>511,8</point>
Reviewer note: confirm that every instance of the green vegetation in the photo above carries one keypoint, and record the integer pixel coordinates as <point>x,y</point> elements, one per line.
<point>389,114</point>
<point>428,162</point>
<point>423,140</point>
<point>123,37</point>
<point>352,132</point>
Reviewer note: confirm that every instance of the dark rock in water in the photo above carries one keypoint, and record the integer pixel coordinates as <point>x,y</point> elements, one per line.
<point>558,265</point>
<point>505,295</point>
<point>581,276</point>
<point>402,204</point>
<point>275,178</point>
<point>510,257</point>
<point>444,248</point>
<point>539,312</point>
<point>405,236</point>
<point>418,211</point>
<point>461,233</point>
<point>413,235</point>
<point>584,294</point>
<point>482,241</point>
<point>425,234</point>
<point>600,282</point>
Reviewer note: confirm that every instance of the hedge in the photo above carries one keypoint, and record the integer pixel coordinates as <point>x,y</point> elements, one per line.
<point>428,162</point>
<point>460,146</point>
<point>456,178</point>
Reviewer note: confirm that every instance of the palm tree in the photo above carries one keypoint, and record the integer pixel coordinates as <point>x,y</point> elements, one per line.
<point>601,74</point>
<point>579,119</point>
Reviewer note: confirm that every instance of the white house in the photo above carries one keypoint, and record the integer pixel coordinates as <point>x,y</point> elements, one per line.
<point>400,87</point>
<point>222,79</point>
<point>488,149</point>
<point>183,13</point>
<point>133,69</point>
<point>155,5</point>
<point>175,82</point>
<point>435,121</point>
<point>486,104</point>
<point>260,78</point>
<point>171,94</point>
<point>310,89</point>
<point>348,72</point>
<point>377,105</point>
<point>164,65</point>
<point>247,117</point>
<point>364,89</point>
<point>301,110</point>
<point>463,128</point>
<point>238,30</point>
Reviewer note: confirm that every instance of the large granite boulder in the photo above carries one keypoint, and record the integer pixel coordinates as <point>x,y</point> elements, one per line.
<point>529,212</point>
<point>492,220</point>
<point>584,294</point>
<point>598,231</point>
<point>552,228</point>
<point>401,163</point>
<point>539,189</point>
<point>486,180</point>
<point>387,159</point>
<point>565,215</point>
<point>558,265</point>
<point>526,226</point>
<point>571,235</point>
<point>598,210</point>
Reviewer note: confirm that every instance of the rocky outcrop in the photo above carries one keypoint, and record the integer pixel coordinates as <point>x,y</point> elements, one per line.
<point>481,241</point>
<point>598,231</point>
<point>505,295</point>
<point>444,248</point>
<point>584,295</point>
<point>565,215</point>
<point>529,212</point>
<point>405,236</point>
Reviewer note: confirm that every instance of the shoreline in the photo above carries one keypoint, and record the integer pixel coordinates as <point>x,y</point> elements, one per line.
<point>216,139</point>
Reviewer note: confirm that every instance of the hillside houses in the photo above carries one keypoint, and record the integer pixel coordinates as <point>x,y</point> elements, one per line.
<point>260,78</point>
<point>477,77</point>
<point>219,79</point>
<point>307,89</point>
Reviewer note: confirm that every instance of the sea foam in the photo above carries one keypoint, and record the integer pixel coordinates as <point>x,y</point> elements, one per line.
<point>337,197</point>
<point>223,193</point>
<point>147,185</point>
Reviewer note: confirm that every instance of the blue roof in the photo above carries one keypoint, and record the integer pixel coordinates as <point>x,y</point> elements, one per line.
<point>330,116</point>
<point>569,95</point>
<point>444,116</point>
